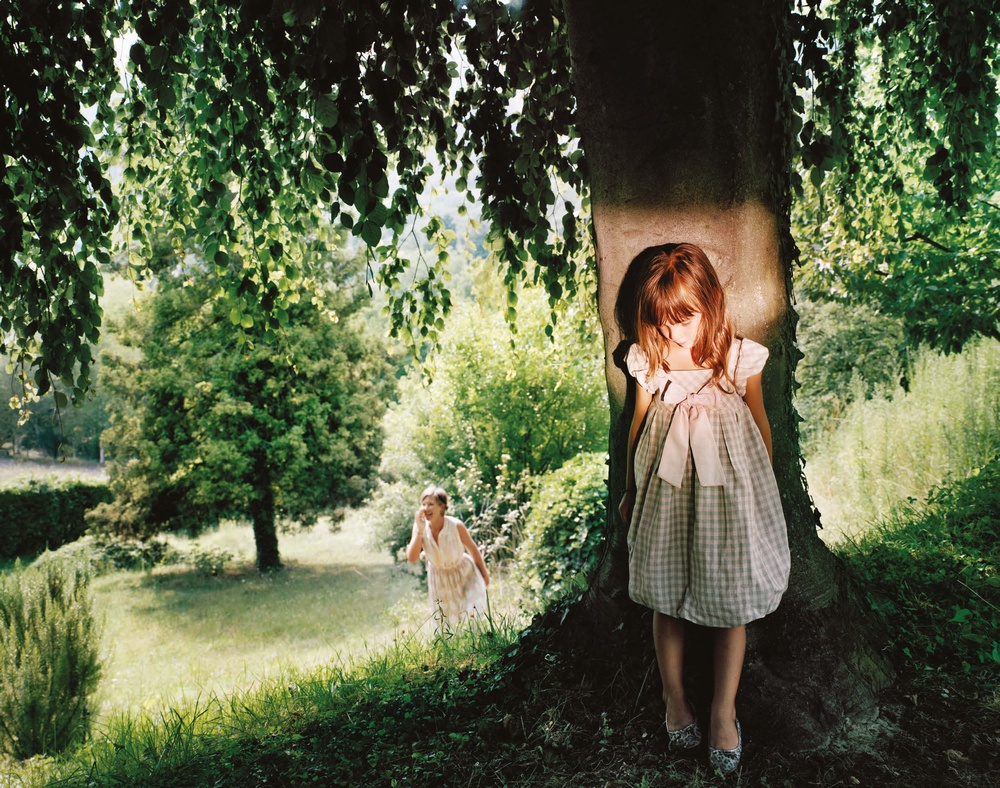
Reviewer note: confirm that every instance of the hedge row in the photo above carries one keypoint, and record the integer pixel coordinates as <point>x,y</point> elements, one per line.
<point>44,514</point>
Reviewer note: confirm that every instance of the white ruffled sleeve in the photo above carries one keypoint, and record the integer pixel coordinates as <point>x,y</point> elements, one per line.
<point>638,367</point>
<point>751,357</point>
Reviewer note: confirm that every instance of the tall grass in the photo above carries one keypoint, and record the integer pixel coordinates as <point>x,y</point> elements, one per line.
<point>898,445</point>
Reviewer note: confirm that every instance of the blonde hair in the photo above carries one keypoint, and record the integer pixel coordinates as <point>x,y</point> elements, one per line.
<point>674,282</point>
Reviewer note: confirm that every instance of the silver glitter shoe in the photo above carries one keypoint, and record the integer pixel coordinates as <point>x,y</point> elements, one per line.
<point>687,738</point>
<point>726,761</point>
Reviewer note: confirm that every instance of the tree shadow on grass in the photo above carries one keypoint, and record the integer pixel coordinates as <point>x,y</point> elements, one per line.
<point>301,602</point>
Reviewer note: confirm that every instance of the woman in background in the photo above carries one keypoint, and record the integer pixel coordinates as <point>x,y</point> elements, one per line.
<point>456,573</point>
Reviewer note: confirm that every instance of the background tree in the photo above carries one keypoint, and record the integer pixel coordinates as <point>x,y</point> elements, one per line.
<point>529,404</point>
<point>235,121</point>
<point>58,431</point>
<point>202,431</point>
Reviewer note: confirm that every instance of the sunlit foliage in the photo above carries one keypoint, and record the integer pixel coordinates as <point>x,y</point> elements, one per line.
<point>901,206</point>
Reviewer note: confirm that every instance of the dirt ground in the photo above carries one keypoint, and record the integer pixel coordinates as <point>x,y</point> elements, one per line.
<point>930,731</point>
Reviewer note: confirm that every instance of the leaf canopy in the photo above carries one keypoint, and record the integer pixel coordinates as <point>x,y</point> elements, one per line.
<point>245,123</point>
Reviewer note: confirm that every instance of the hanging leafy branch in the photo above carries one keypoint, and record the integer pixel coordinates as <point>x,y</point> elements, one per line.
<point>246,124</point>
<point>900,143</point>
<point>57,207</point>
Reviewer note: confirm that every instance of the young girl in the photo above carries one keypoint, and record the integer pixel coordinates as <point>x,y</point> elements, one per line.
<point>707,540</point>
<point>456,573</point>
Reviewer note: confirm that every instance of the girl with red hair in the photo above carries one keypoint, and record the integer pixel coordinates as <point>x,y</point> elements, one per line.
<point>707,539</point>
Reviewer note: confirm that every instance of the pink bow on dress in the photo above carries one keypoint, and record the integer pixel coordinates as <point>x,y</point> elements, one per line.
<point>691,427</point>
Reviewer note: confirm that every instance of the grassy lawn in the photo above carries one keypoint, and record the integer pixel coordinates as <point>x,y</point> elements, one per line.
<point>35,466</point>
<point>174,633</point>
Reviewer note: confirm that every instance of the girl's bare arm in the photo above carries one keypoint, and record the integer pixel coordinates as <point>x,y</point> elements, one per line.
<point>642,401</point>
<point>754,398</point>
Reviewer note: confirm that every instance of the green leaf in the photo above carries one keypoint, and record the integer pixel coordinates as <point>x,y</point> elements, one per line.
<point>371,233</point>
<point>166,97</point>
<point>326,110</point>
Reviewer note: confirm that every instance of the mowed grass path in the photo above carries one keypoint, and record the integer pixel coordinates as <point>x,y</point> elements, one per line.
<point>174,634</point>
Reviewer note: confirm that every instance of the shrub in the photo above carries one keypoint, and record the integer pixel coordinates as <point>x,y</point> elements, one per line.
<point>209,561</point>
<point>49,640</point>
<point>493,509</point>
<point>932,571</point>
<point>501,404</point>
<point>133,554</point>
<point>487,413</point>
<point>43,514</point>
<point>103,554</point>
<point>564,527</point>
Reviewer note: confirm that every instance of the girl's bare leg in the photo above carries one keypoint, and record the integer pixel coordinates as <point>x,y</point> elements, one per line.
<point>730,646</point>
<point>668,639</point>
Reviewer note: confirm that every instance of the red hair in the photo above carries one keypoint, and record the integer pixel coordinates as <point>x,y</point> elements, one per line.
<point>677,281</point>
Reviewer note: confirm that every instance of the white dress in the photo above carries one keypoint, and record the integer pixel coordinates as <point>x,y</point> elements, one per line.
<point>455,586</point>
<point>707,541</point>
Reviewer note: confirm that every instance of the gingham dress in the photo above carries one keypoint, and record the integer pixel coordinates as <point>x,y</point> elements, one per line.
<point>455,587</point>
<point>707,541</point>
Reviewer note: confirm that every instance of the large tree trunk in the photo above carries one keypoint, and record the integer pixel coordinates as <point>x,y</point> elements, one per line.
<point>683,111</point>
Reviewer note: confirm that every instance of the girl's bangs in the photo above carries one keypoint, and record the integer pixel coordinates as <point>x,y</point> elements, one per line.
<point>675,304</point>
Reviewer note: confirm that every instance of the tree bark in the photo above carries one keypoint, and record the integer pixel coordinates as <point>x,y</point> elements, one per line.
<point>265,532</point>
<point>684,111</point>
